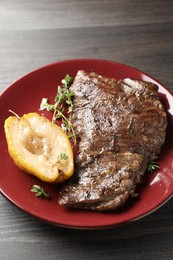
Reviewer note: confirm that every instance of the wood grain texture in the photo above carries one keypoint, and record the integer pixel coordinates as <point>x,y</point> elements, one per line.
<point>44,14</point>
<point>35,33</point>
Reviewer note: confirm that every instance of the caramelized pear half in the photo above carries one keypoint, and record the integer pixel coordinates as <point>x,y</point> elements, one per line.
<point>39,147</point>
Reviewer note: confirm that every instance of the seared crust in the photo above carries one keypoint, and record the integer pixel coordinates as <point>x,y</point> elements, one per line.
<point>120,124</point>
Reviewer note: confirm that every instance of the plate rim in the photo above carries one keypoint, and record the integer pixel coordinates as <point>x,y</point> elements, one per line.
<point>75,226</point>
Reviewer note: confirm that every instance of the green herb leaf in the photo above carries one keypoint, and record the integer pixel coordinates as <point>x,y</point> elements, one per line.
<point>67,81</point>
<point>64,98</point>
<point>34,190</point>
<point>61,157</point>
<point>35,186</point>
<point>152,166</point>
<point>39,194</point>
<point>39,191</point>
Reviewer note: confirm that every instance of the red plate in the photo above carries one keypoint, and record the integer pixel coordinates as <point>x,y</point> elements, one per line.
<point>24,96</point>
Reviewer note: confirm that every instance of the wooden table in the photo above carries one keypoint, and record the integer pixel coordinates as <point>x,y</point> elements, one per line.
<point>36,33</point>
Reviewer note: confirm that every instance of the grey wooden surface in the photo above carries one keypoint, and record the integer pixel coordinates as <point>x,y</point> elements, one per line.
<point>36,33</point>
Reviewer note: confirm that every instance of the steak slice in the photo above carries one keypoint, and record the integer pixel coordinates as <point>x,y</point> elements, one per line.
<point>121,125</point>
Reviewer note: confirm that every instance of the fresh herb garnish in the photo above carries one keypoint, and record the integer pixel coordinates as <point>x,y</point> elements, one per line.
<point>39,191</point>
<point>152,166</point>
<point>63,99</point>
<point>61,157</point>
<point>67,81</point>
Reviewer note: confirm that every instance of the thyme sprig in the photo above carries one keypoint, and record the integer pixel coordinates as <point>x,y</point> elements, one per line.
<point>152,166</point>
<point>61,157</point>
<point>39,191</point>
<point>64,98</point>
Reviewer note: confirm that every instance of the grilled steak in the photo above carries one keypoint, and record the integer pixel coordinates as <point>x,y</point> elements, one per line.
<point>121,125</point>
